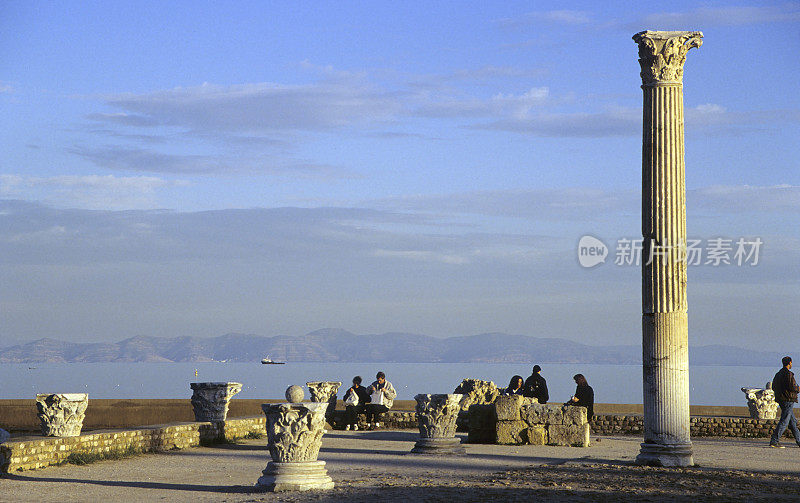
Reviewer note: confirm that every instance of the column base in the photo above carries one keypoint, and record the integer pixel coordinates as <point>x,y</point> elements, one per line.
<point>301,476</point>
<point>667,455</point>
<point>439,446</point>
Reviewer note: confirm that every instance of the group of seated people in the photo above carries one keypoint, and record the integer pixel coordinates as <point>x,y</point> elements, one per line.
<point>377,398</point>
<point>535,386</point>
<point>373,400</point>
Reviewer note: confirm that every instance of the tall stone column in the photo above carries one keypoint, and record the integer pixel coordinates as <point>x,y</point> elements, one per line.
<point>665,334</point>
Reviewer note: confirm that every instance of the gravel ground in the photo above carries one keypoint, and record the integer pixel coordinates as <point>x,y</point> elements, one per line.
<point>376,466</point>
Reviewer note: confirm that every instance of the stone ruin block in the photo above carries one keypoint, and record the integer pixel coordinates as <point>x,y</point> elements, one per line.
<point>475,392</point>
<point>537,435</point>
<point>575,415</point>
<point>568,435</point>
<point>512,432</point>
<point>507,408</point>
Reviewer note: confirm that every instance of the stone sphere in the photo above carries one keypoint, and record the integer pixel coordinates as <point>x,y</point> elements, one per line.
<point>295,394</point>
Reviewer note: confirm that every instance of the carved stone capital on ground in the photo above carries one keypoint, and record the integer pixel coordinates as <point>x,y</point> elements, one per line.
<point>210,399</point>
<point>436,417</point>
<point>294,433</point>
<point>294,430</point>
<point>761,403</point>
<point>663,53</point>
<point>62,414</point>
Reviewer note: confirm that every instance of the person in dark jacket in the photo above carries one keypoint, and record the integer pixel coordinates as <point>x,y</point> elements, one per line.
<point>584,396</point>
<point>352,411</point>
<point>536,386</point>
<point>785,388</point>
<point>515,387</point>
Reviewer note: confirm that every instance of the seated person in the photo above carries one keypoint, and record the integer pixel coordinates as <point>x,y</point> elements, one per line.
<point>515,386</point>
<point>352,411</point>
<point>584,396</point>
<point>382,395</point>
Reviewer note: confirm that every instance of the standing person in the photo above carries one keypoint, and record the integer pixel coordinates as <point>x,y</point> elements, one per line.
<point>785,388</point>
<point>584,396</point>
<point>382,395</point>
<point>515,387</point>
<point>536,386</point>
<point>352,411</point>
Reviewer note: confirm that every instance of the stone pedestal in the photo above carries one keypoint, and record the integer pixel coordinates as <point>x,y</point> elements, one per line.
<point>294,433</point>
<point>210,399</point>
<point>761,402</point>
<point>665,335</point>
<point>436,416</point>
<point>62,414</point>
<point>325,392</point>
<point>474,392</point>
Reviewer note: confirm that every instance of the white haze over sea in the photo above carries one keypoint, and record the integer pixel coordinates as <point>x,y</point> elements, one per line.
<point>710,385</point>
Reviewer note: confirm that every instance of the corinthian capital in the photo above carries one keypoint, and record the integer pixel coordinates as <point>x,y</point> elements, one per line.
<point>663,53</point>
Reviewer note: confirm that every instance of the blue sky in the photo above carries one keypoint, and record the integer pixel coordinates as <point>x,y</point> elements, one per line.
<point>199,168</point>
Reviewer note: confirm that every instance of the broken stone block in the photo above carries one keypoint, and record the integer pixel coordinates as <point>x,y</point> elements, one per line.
<point>507,408</point>
<point>534,414</point>
<point>569,435</point>
<point>537,435</point>
<point>574,415</point>
<point>512,432</point>
<point>553,414</point>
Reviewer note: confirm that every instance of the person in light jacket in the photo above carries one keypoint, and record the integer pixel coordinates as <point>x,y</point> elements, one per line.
<point>382,395</point>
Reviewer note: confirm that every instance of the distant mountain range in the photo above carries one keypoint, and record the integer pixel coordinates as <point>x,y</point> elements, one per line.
<point>334,345</point>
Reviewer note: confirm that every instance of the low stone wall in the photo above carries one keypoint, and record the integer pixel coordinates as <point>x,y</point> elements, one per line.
<point>28,453</point>
<point>514,420</point>
<point>701,426</point>
<point>394,419</point>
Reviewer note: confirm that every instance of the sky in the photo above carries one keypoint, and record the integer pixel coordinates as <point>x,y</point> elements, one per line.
<point>199,168</point>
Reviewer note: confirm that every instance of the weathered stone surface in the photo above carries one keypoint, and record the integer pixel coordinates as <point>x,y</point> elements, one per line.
<point>295,394</point>
<point>325,392</point>
<point>575,415</point>
<point>537,435</point>
<point>569,435</point>
<point>4,435</point>
<point>62,414</point>
<point>294,435</point>
<point>306,476</point>
<point>294,430</point>
<point>761,402</point>
<point>665,345</point>
<point>210,400</point>
<point>476,391</point>
<point>511,432</point>
<point>553,414</point>
<point>436,415</point>
<point>507,408</point>
<point>439,446</point>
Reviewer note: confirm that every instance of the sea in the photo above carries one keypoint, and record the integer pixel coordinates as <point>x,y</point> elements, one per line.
<point>710,385</point>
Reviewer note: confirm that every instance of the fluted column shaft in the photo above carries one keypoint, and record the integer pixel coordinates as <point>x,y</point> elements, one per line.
<point>665,335</point>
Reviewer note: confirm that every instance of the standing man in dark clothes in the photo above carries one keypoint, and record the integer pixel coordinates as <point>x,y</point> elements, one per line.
<point>536,386</point>
<point>785,388</point>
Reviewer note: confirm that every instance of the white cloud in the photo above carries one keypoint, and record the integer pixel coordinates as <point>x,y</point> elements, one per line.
<point>89,191</point>
<point>724,16</point>
<point>261,107</point>
<point>563,16</point>
<point>748,198</point>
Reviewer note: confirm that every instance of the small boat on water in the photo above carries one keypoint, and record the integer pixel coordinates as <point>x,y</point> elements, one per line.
<point>268,361</point>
